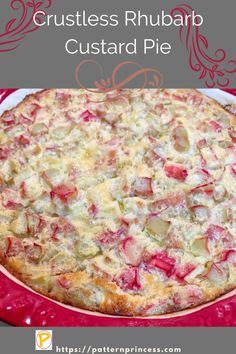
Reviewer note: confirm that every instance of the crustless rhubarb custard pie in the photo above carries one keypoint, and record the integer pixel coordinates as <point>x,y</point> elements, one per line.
<point>121,202</point>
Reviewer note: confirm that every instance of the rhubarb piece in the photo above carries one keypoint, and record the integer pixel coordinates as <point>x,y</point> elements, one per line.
<point>64,192</point>
<point>34,252</point>
<point>131,251</point>
<point>162,262</point>
<point>142,186</point>
<point>129,279</point>
<point>14,246</point>
<point>177,172</point>
<point>201,213</point>
<point>109,236</point>
<point>199,246</point>
<point>181,141</point>
<point>87,116</point>
<point>157,226</point>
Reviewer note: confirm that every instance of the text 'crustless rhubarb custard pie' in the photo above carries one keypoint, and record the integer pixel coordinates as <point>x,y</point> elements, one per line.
<point>121,202</point>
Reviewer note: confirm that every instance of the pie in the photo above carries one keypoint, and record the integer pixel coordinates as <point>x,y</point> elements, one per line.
<point>120,202</point>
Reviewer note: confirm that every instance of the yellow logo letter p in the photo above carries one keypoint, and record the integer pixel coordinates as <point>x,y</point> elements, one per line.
<point>43,340</point>
<point>43,337</point>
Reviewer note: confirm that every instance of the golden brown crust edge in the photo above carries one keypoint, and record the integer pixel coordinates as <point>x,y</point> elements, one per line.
<point>29,97</point>
<point>114,303</point>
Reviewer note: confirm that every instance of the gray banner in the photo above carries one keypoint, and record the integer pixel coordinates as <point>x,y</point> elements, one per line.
<point>122,340</point>
<point>41,59</point>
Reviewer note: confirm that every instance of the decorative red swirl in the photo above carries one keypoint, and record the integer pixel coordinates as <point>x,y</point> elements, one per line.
<point>215,69</point>
<point>18,27</point>
<point>151,77</point>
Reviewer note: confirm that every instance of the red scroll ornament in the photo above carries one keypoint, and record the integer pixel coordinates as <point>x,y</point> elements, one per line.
<point>151,77</point>
<point>22,24</point>
<point>214,69</point>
